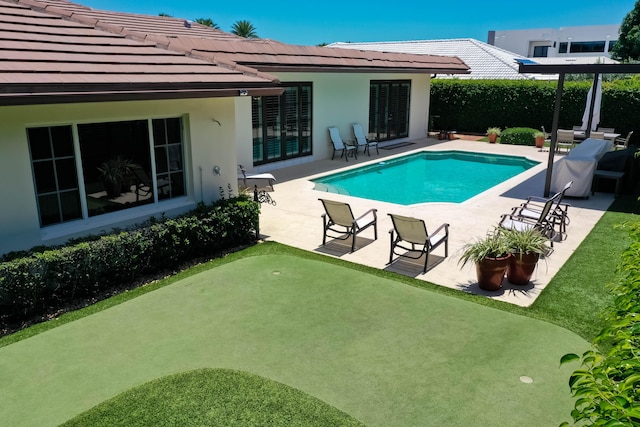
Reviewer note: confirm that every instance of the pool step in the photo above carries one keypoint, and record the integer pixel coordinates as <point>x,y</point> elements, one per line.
<point>330,188</point>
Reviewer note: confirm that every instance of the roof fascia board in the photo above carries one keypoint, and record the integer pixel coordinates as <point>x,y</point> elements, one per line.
<point>26,98</point>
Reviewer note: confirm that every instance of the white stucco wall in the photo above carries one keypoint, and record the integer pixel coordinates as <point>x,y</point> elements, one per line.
<point>217,133</point>
<point>339,99</point>
<point>206,142</point>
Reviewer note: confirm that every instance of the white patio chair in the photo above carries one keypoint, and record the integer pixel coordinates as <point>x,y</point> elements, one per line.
<point>622,143</point>
<point>340,145</point>
<point>363,141</point>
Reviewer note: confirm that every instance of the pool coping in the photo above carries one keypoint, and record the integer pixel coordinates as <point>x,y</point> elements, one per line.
<point>296,219</point>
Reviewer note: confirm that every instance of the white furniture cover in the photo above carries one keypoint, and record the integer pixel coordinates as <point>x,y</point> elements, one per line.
<point>579,166</point>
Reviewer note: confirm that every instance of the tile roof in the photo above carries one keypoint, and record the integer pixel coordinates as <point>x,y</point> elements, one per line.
<point>44,56</point>
<point>485,61</point>
<point>261,54</point>
<point>59,51</point>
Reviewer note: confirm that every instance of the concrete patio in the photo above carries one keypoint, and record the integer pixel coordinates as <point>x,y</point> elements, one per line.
<point>296,219</point>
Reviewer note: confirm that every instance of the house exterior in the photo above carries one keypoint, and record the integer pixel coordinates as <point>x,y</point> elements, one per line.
<point>109,118</point>
<point>484,60</point>
<point>564,42</point>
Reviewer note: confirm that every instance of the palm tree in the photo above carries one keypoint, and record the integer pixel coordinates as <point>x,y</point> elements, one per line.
<point>165,15</point>
<point>208,22</point>
<point>244,29</point>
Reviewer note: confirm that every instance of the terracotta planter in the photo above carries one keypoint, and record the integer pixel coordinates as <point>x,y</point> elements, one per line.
<point>521,267</point>
<point>539,142</point>
<point>491,271</point>
<point>493,138</point>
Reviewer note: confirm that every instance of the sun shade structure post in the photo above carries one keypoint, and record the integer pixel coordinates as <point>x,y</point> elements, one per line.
<point>554,134</point>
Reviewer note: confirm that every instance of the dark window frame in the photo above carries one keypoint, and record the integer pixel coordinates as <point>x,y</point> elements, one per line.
<point>56,193</point>
<point>282,126</point>
<point>55,180</point>
<point>540,51</point>
<point>389,109</point>
<point>587,47</point>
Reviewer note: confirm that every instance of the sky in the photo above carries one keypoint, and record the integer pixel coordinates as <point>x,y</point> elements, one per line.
<point>327,21</point>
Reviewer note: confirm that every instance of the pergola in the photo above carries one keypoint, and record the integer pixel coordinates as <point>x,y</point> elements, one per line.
<point>562,70</point>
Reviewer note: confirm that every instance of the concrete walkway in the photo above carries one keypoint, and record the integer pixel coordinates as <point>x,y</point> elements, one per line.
<point>296,219</point>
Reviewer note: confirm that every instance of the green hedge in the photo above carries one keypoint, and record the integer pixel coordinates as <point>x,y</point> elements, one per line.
<point>33,284</point>
<point>475,105</point>
<point>518,136</point>
<point>607,387</point>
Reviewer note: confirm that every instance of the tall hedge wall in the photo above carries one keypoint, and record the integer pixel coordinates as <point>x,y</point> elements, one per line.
<point>475,105</point>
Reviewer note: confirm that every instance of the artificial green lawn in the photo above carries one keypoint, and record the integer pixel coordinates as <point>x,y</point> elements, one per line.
<point>381,351</point>
<point>213,397</point>
<point>433,377</point>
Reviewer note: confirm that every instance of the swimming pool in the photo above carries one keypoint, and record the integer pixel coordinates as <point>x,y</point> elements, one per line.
<point>443,176</point>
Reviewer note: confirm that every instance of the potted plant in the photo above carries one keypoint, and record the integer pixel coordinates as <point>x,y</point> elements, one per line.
<point>113,173</point>
<point>493,134</point>
<point>525,247</point>
<point>539,136</point>
<point>491,257</point>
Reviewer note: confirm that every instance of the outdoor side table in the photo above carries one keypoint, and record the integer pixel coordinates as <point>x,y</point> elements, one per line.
<point>602,174</point>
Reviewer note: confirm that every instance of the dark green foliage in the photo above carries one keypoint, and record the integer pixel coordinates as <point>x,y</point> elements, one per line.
<point>474,105</point>
<point>49,278</point>
<point>208,22</point>
<point>518,136</point>
<point>628,45</point>
<point>607,388</point>
<point>244,29</point>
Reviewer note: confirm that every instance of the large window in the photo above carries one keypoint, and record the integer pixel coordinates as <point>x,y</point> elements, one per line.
<point>113,166</point>
<point>54,174</point>
<point>586,47</point>
<point>389,109</point>
<point>540,51</point>
<point>282,124</point>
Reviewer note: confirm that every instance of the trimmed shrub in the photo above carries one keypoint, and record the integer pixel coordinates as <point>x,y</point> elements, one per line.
<point>474,105</point>
<point>51,278</point>
<point>518,136</point>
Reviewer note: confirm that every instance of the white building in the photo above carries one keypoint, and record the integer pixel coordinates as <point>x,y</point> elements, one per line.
<point>563,42</point>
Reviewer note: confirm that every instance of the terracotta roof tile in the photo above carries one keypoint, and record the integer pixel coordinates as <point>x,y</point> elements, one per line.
<point>42,52</point>
<point>57,42</point>
<point>263,54</point>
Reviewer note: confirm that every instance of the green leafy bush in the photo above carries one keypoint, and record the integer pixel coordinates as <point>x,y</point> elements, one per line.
<point>50,278</point>
<point>518,136</point>
<point>474,105</point>
<point>607,388</point>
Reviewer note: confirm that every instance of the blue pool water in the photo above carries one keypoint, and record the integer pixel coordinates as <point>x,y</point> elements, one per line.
<point>444,176</point>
